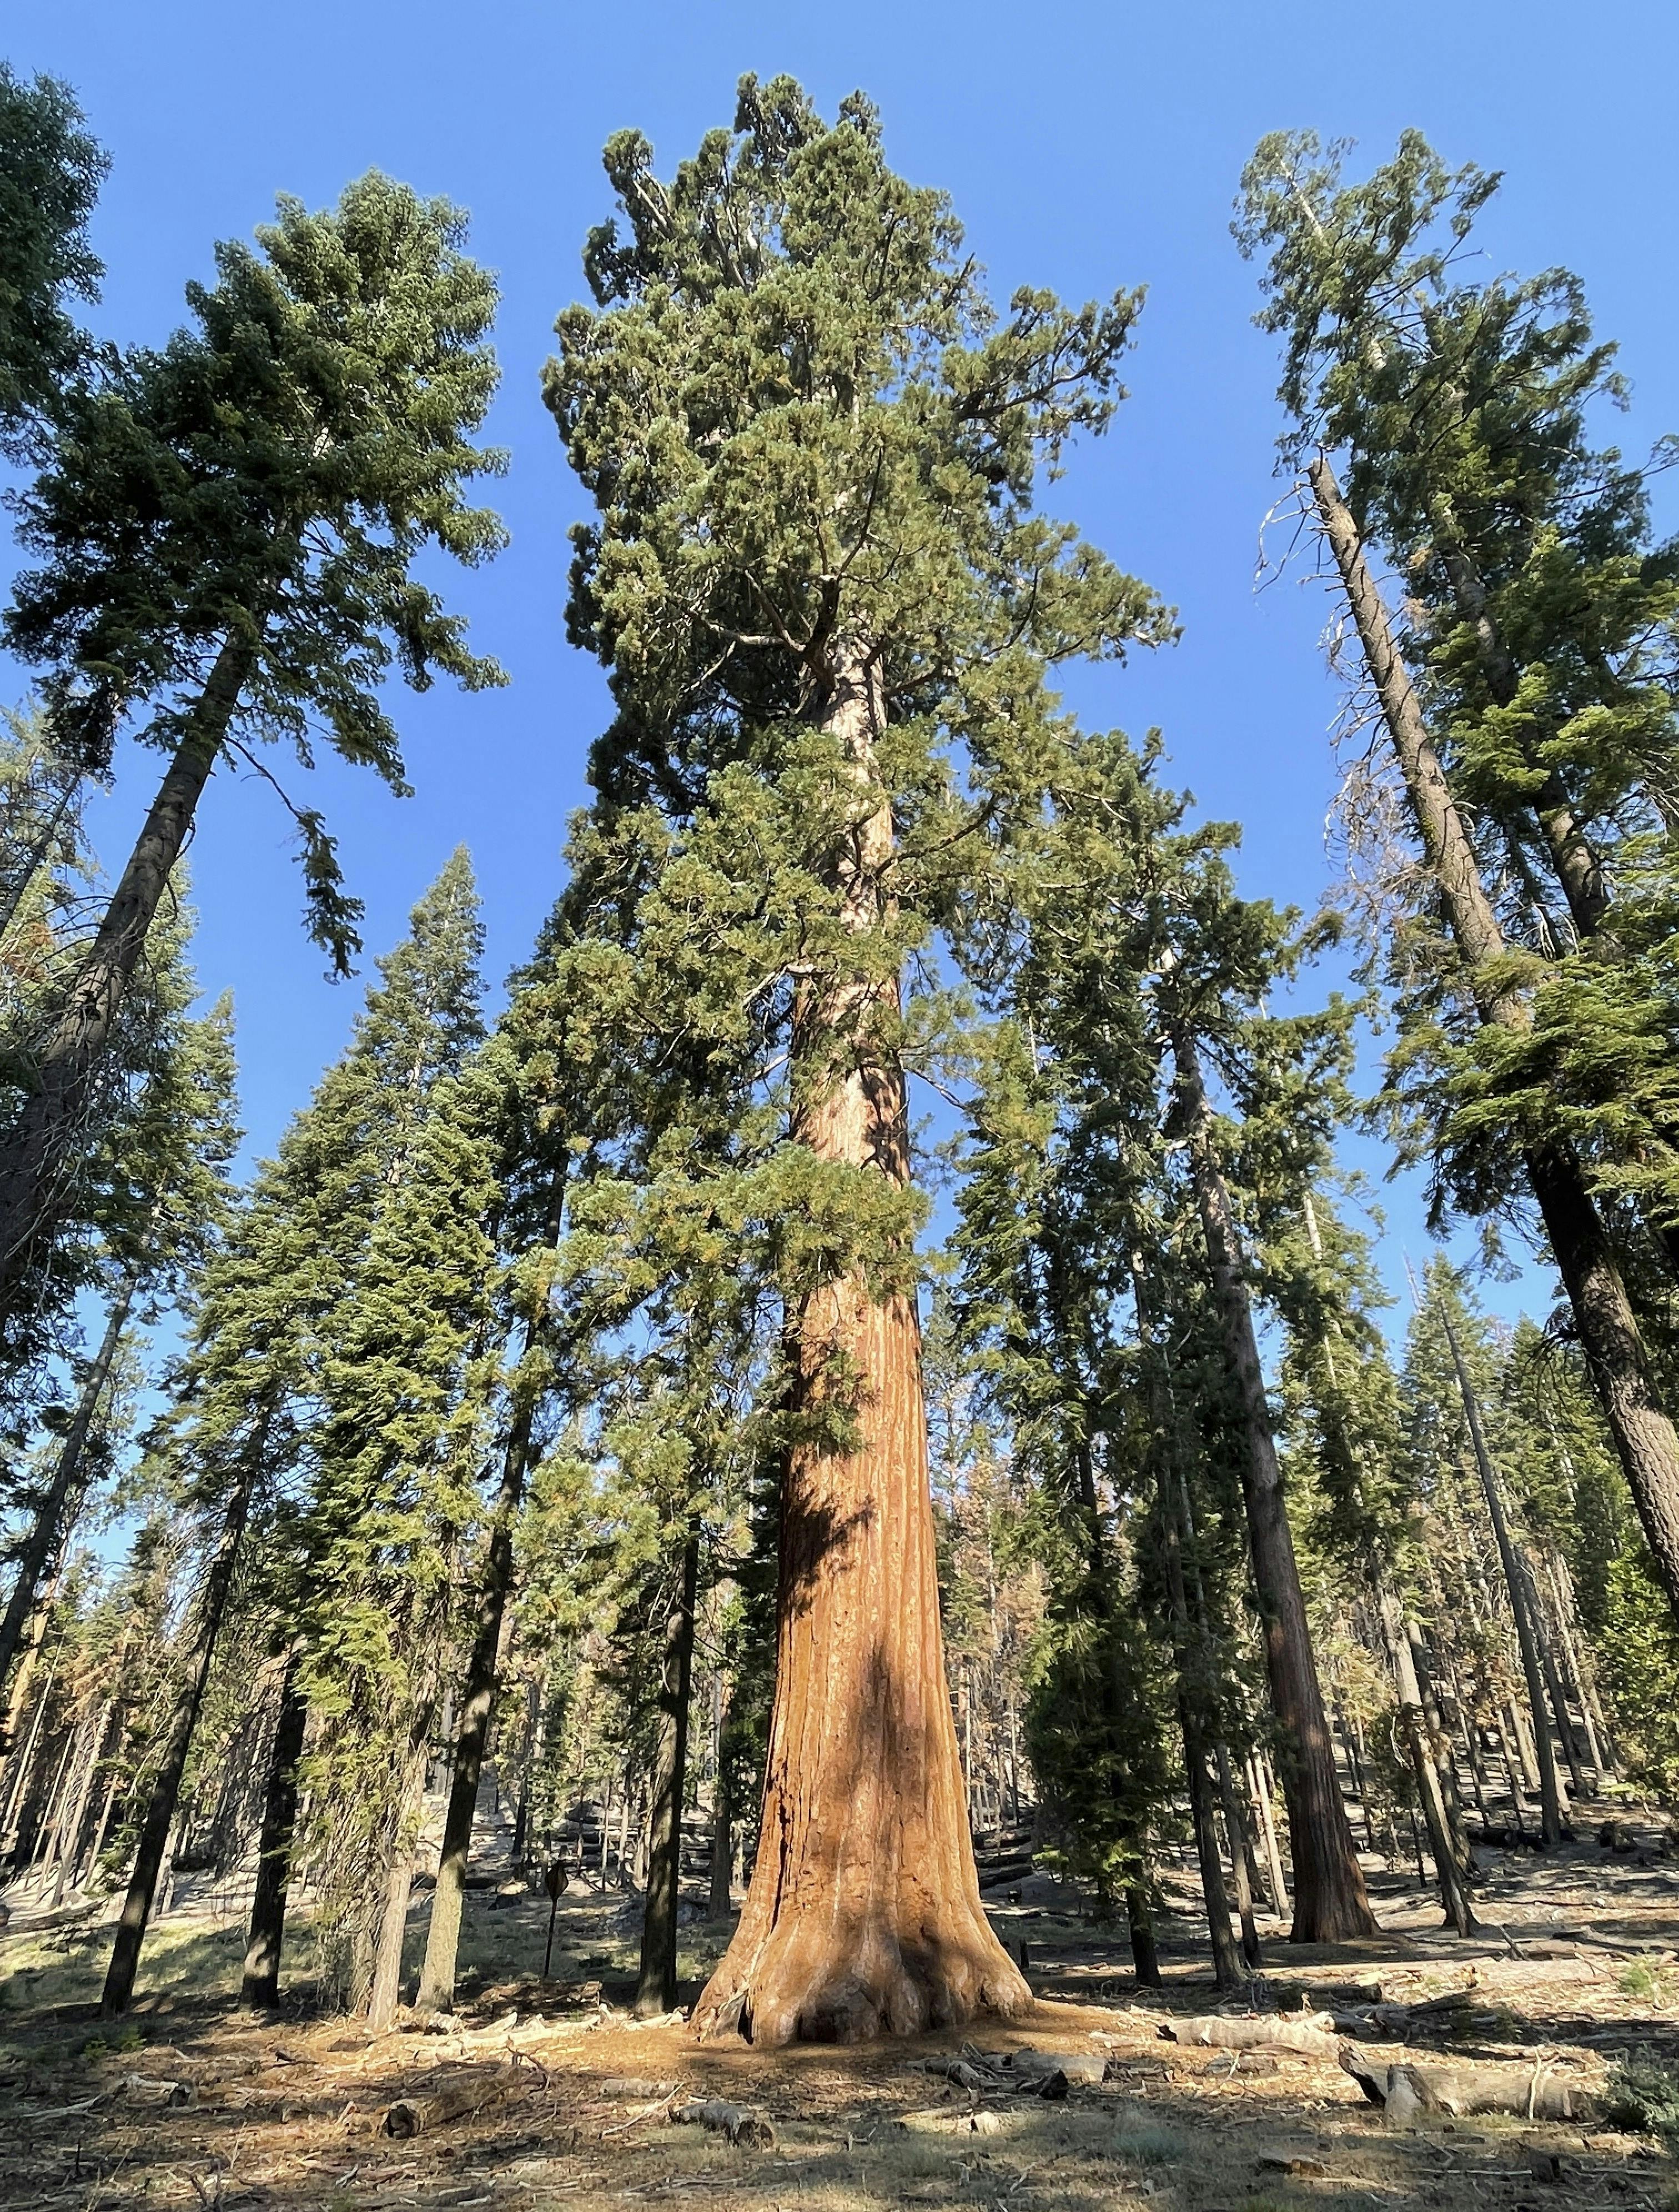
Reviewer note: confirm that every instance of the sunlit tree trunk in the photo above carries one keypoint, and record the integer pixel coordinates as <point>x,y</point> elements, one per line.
<point>1330,1906</point>
<point>863,1915</point>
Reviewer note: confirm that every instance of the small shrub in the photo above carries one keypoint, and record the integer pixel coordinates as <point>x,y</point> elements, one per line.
<point>1640,1981</point>
<point>121,2043</point>
<point>1144,2142</point>
<point>1643,2099</point>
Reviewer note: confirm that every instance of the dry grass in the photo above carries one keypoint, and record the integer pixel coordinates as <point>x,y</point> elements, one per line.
<point>289,2114</point>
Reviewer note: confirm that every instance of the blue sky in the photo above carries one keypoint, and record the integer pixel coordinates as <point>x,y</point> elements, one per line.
<point>1086,146</point>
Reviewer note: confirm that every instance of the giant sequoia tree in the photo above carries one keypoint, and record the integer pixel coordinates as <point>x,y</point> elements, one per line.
<point>828,610</point>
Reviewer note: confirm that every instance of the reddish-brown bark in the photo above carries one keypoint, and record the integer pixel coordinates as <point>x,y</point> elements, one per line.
<point>863,1916</point>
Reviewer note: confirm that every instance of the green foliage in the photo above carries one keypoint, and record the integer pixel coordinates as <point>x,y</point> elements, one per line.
<point>264,484</point>
<point>1643,2098</point>
<point>51,171</point>
<point>1541,620</point>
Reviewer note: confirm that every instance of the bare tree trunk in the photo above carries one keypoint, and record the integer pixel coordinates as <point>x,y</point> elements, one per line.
<point>1237,1842</point>
<point>47,1528</point>
<point>1554,1694</point>
<point>437,1977</point>
<point>1140,1924</point>
<point>1262,1802</point>
<point>1550,1798</point>
<point>166,1788</point>
<point>260,1987</point>
<point>1563,1598</point>
<point>385,1992</point>
<point>1450,1868</point>
<point>863,1916</point>
<point>33,1192</point>
<point>1330,1906</point>
<point>1609,1336</point>
<point>720,1902</point>
<point>656,1991</point>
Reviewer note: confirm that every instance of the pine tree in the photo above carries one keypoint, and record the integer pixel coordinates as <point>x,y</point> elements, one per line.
<point>226,531</point>
<point>815,574</point>
<point>1473,424</point>
<point>249,1398</point>
<point>51,171</point>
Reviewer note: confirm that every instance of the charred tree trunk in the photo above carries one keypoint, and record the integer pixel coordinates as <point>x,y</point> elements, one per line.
<point>48,1525</point>
<point>655,1990</point>
<point>166,1788</point>
<point>33,1190</point>
<point>1330,1906</point>
<point>1140,1924</point>
<point>863,1915</point>
<point>1621,1374</point>
<point>260,1987</point>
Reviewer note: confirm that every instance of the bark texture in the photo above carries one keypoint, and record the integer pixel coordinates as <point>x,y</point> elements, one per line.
<point>1645,1439</point>
<point>863,1916</point>
<point>1331,1904</point>
<point>260,1986</point>
<point>655,1990</point>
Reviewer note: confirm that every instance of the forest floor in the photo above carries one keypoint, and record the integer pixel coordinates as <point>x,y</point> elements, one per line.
<point>189,2101</point>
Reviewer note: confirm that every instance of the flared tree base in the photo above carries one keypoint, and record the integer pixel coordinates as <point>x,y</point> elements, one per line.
<point>811,1978</point>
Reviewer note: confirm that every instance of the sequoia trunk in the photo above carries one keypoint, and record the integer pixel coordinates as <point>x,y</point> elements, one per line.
<point>863,1916</point>
<point>1330,1906</point>
<point>1619,1364</point>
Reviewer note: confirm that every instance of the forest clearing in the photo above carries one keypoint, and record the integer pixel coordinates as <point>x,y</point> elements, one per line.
<point>536,2091</point>
<point>820,1550</point>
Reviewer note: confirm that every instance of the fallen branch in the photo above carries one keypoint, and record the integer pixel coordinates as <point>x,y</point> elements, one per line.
<point>415,2116</point>
<point>1531,2092</point>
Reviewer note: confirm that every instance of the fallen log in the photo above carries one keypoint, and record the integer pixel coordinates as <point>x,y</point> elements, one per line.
<point>954,2069</point>
<point>1530,2092</point>
<point>1308,2035</point>
<point>414,2115</point>
<point>735,2122</point>
<point>1030,2066</point>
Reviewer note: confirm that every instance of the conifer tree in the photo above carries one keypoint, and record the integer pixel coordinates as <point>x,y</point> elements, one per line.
<point>1532,688</point>
<point>255,1378</point>
<point>815,573</point>
<point>172,1174</point>
<point>226,531</point>
<point>51,171</point>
